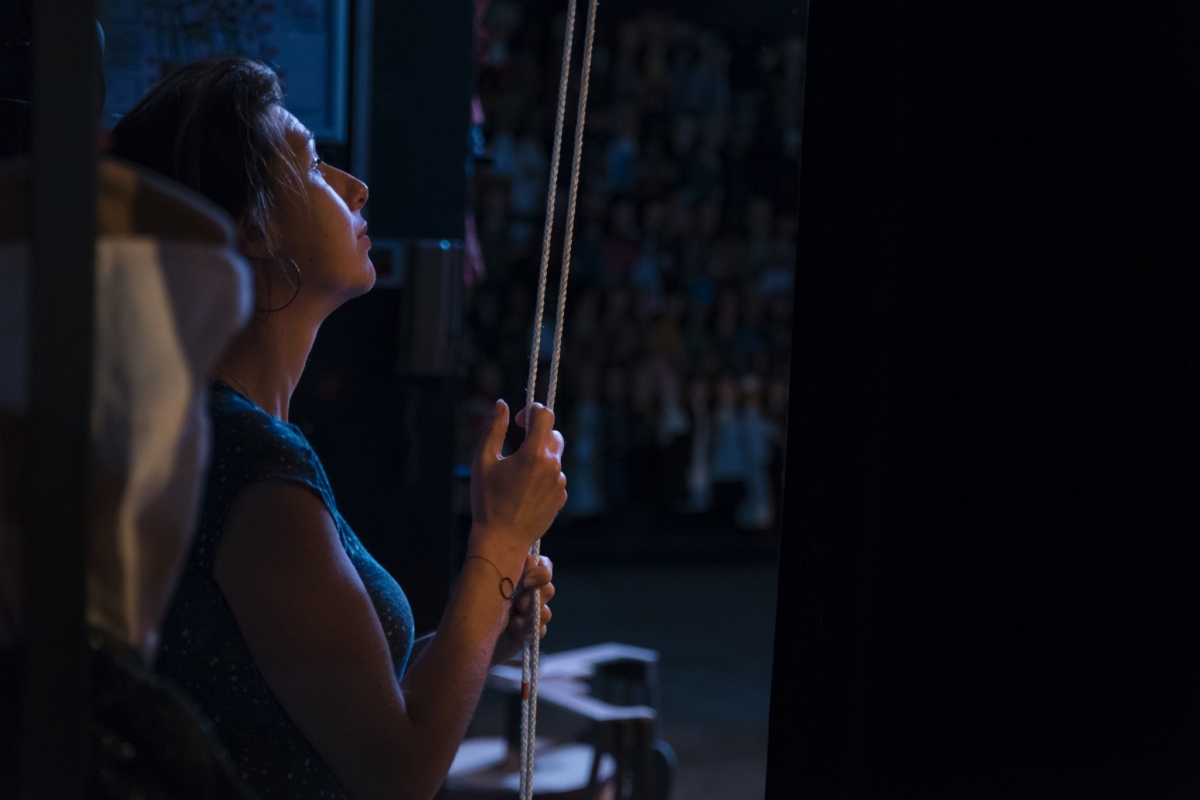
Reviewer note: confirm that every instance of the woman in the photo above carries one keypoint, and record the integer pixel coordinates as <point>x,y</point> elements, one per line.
<point>296,643</point>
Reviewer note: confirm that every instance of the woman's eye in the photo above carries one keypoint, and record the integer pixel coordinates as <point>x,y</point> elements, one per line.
<point>316,164</point>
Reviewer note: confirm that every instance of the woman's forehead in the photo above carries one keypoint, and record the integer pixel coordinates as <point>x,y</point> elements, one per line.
<point>298,136</point>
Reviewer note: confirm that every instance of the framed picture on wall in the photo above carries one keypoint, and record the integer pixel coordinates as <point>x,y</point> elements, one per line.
<point>305,41</point>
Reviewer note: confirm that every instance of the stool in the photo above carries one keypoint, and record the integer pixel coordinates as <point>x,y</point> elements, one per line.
<point>486,768</point>
<point>618,759</point>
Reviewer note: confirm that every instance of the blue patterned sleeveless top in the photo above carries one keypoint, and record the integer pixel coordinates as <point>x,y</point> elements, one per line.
<point>202,648</point>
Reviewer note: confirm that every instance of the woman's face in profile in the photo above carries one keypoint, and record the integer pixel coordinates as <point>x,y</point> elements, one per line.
<point>320,225</point>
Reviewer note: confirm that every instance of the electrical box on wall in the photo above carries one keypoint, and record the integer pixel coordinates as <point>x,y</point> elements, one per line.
<point>389,257</point>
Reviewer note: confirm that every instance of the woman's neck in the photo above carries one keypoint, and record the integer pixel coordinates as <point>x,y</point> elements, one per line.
<point>267,359</point>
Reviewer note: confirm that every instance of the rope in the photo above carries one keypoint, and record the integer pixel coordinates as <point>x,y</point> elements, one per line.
<point>532,649</point>
<point>528,668</point>
<point>570,232</point>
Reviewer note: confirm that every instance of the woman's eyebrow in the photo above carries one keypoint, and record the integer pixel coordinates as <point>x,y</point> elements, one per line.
<point>310,142</point>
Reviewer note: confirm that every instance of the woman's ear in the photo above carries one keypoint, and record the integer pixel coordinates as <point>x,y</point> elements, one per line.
<point>252,243</point>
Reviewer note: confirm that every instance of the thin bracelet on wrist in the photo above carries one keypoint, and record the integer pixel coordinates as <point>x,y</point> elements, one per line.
<point>512,588</point>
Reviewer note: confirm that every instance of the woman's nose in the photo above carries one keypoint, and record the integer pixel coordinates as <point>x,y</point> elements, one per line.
<point>357,194</point>
<point>352,190</point>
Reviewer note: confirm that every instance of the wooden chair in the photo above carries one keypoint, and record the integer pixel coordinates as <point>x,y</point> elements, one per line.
<point>614,689</point>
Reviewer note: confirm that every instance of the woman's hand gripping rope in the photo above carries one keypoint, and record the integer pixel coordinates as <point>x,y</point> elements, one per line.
<point>535,575</point>
<point>515,498</point>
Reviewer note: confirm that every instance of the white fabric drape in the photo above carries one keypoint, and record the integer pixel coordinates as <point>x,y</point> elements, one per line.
<point>165,313</point>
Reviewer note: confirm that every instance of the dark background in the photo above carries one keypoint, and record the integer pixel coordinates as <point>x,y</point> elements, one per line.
<point>755,16</point>
<point>989,547</point>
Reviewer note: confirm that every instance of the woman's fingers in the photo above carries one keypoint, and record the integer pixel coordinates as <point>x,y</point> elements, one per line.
<point>524,602</point>
<point>521,626</point>
<point>539,575</point>
<point>493,438</point>
<point>543,423</point>
<point>543,426</point>
<point>524,619</point>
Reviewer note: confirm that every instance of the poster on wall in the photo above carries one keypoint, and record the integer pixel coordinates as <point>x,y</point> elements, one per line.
<point>305,41</point>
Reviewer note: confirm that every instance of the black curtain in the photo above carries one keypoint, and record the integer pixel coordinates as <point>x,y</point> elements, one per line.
<point>990,551</point>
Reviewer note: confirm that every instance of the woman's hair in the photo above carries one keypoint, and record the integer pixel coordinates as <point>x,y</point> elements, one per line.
<point>215,127</point>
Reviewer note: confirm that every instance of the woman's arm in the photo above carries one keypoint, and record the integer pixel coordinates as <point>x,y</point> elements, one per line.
<point>316,638</point>
<point>538,575</point>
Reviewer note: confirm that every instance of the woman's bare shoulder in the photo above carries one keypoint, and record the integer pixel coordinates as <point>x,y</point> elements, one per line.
<point>275,524</point>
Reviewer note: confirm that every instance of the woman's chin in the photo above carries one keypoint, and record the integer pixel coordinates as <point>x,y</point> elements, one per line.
<point>348,287</point>
<point>367,278</point>
<point>368,265</point>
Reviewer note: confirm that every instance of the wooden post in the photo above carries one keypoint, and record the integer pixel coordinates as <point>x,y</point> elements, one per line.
<point>54,547</point>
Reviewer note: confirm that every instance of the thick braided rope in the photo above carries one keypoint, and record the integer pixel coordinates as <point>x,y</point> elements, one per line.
<point>532,649</point>
<point>528,674</point>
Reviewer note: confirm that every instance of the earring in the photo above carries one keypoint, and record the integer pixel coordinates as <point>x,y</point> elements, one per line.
<point>295,294</point>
